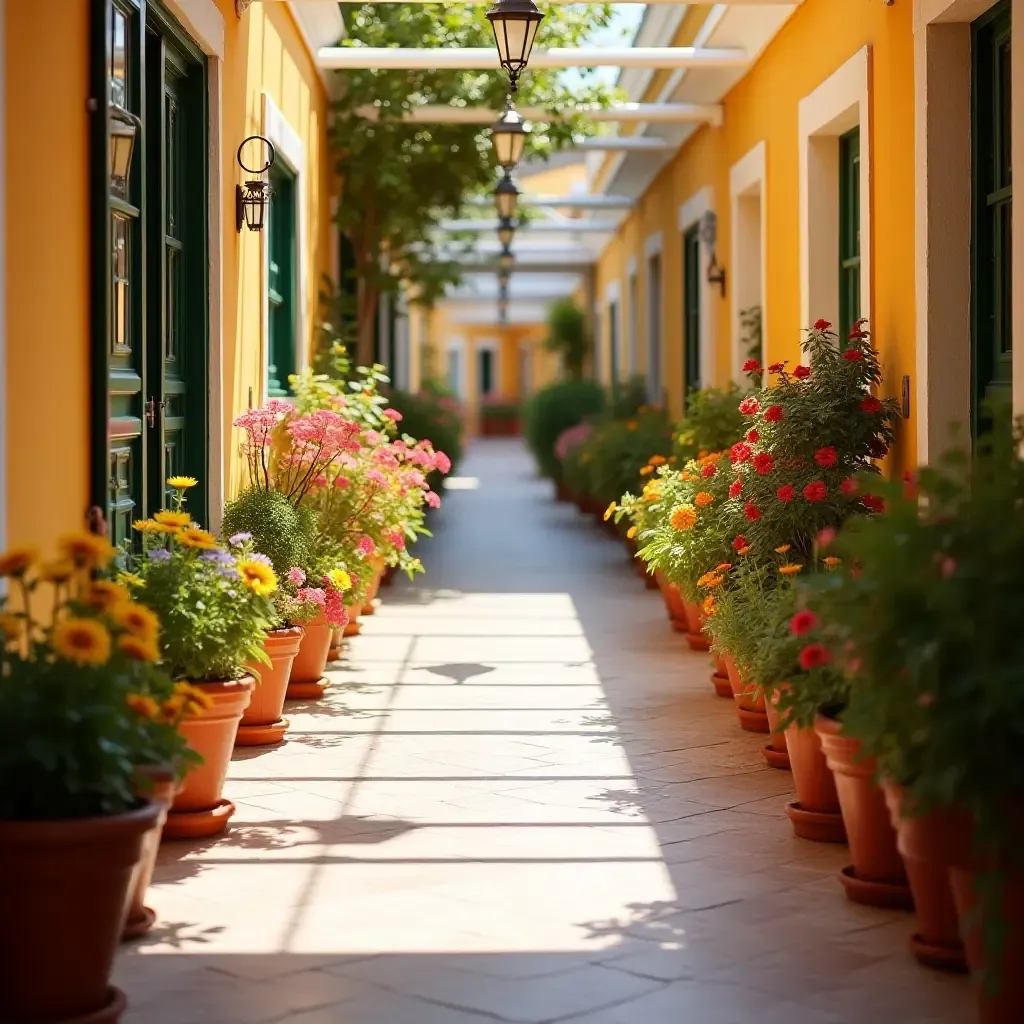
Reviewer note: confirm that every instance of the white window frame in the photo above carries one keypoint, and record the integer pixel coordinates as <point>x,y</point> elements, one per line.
<point>456,343</point>
<point>655,355</point>
<point>835,107</point>
<point>748,182</point>
<point>691,213</point>
<point>613,295</point>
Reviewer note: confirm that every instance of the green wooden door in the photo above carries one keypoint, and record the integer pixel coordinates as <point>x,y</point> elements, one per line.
<point>150,268</point>
<point>849,231</point>
<point>992,287</point>
<point>691,310</point>
<point>281,282</point>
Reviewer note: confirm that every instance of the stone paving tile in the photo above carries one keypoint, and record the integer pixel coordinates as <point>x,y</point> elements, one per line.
<point>520,802</point>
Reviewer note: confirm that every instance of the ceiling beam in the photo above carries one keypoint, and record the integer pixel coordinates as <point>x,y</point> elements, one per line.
<point>631,113</point>
<point>626,144</point>
<point>538,227</point>
<point>577,202</point>
<point>351,58</point>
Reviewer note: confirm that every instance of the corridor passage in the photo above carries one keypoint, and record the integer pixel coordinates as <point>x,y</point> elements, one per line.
<point>521,801</point>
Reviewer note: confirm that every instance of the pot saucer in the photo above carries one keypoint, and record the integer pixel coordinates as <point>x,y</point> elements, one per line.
<point>939,957</point>
<point>135,929</point>
<point>352,628</point>
<point>723,688</point>
<point>875,894</point>
<point>262,735</point>
<point>110,1013</point>
<point>306,691</point>
<point>776,758</point>
<point>818,826</point>
<point>681,626</point>
<point>198,824</point>
<point>753,721</point>
<point>698,642</point>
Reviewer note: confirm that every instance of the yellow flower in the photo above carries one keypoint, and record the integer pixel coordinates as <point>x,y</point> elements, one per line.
<point>193,537</point>
<point>106,594</point>
<point>340,579</point>
<point>782,549</point>
<point>723,567</point>
<point>790,569</point>
<point>683,517</point>
<point>143,706</point>
<point>136,619</point>
<point>177,520</point>
<point>259,578</point>
<point>172,708</point>
<point>84,641</point>
<point>18,561</point>
<point>150,526</point>
<point>181,483</point>
<point>708,606</point>
<point>59,571</point>
<point>610,511</point>
<point>189,692</point>
<point>631,532</point>
<point>10,626</point>
<point>831,561</point>
<point>703,499</point>
<point>139,648</point>
<point>86,550</point>
<point>129,579</point>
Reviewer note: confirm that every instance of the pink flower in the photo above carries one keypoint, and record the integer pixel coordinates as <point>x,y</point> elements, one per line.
<point>377,477</point>
<point>443,463</point>
<point>334,609</point>
<point>763,463</point>
<point>313,595</point>
<point>295,576</point>
<point>735,488</point>
<point>773,414</point>
<point>752,512</point>
<point>342,482</point>
<point>749,406</point>
<point>785,493</point>
<point>366,545</point>
<point>825,537</point>
<point>816,491</point>
<point>947,567</point>
<point>433,500</point>
<point>394,415</point>
<point>825,457</point>
<point>801,372</point>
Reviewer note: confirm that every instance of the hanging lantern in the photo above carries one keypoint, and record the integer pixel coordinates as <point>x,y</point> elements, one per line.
<point>503,311</point>
<point>503,277</point>
<point>509,136</point>
<point>506,198</point>
<point>253,198</point>
<point>506,260</point>
<point>124,129</point>
<point>515,24</point>
<point>506,232</point>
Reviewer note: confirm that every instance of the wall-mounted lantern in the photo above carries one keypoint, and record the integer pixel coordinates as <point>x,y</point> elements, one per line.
<point>709,236</point>
<point>253,198</point>
<point>124,130</point>
<point>508,134</point>
<point>506,198</point>
<point>506,232</point>
<point>515,24</point>
<point>506,261</point>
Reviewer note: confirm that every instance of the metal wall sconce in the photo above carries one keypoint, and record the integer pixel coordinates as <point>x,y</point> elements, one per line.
<point>508,134</point>
<point>506,198</point>
<point>253,198</point>
<point>506,232</point>
<point>124,130</point>
<point>709,236</point>
<point>515,24</point>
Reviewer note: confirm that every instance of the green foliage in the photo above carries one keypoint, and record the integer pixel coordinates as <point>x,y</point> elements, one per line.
<point>552,410</point>
<point>750,325</point>
<point>568,336</point>
<point>285,534</point>
<point>629,398</point>
<point>712,422</point>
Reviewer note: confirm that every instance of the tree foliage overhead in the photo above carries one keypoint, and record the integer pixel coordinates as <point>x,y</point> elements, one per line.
<point>401,179</point>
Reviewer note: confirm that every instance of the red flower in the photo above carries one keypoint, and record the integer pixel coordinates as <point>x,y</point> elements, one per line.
<point>785,493</point>
<point>802,371</point>
<point>739,452</point>
<point>821,325</point>
<point>740,542</point>
<point>870,405</point>
<point>853,355</point>
<point>802,623</point>
<point>753,436</point>
<point>816,491</point>
<point>856,331</point>
<point>752,512</point>
<point>708,470</point>
<point>874,503</point>
<point>763,463</point>
<point>735,488</point>
<point>776,367</point>
<point>749,406</point>
<point>751,366</point>
<point>773,414</point>
<point>825,457</point>
<point>814,655</point>
<point>848,486</point>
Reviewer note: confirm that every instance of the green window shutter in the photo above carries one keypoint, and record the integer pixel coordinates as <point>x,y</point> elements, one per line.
<point>691,310</point>
<point>281,285</point>
<point>992,288</point>
<point>849,231</point>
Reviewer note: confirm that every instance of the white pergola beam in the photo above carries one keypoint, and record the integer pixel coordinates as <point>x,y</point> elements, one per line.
<point>626,144</point>
<point>578,202</point>
<point>351,58</point>
<point>540,227</point>
<point>627,113</point>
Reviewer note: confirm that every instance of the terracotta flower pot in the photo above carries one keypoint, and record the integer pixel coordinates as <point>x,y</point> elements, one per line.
<point>352,627</point>
<point>307,681</point>
<point>936,943</point>
<point>337,648</point>
<point>815,814</point>
<point>877,876</point>
<point>371,602</point>
<point>158,785</point>
<point>262,724</point>
<point>776,753</point>
<point>199,809</point>
<point>695,627</point>
<point>749,700</point>
<point>674,604</point>
<point>65,897</point>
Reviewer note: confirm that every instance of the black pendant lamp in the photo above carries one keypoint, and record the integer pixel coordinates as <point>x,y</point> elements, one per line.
<point>509,135</point>
<point>506,198</point>
<point>515,24</point>
<point>506,232</point>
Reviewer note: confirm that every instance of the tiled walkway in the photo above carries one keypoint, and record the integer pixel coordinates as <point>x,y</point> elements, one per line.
<point>521,802</point>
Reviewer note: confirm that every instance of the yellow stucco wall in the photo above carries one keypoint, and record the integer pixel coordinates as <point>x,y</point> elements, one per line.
<point>818,39</point>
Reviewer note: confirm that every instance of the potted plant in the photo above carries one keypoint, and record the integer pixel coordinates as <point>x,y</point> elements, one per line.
<point>80,711</point>
<point>499,417</point>
<point>215,606</point>
<point>928,615</point>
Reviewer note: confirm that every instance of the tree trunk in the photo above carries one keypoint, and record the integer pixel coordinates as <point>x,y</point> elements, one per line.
<point>368,300</point>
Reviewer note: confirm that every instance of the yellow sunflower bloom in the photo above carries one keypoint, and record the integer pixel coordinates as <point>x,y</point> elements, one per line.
<point>136,619</point>
<point>782,549</point>
<point>143,706</point>
<point>129,579</point>
<point>84,641</point>
<point>59,571</point>
<point>193,537</point>
<point>340,579</point>
<point>610,511</point>
<point>182,483</point>
<point>138,648</point>
<point>18,561</point>
<point>106,594</point>
<point>683,518</point>
<point>86,550</point>
<point>259,578</point>
<point>177,520</point>
<point>790,569</point>
<point>703,499</point>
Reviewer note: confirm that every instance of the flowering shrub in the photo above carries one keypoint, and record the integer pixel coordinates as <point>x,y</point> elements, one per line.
<point>303,598</point>
<point>83,701</point>
<point>571,438</point>
<point>712,422</point>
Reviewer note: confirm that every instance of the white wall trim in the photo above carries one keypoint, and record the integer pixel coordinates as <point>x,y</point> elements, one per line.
<point>457,343</point>
<point>632,300</point>
<point>748,181</point>
<point>613,294</point>
<point>292,151</point>
<point>612,291</point>
<point>631,267</point>
<point>653,244</point>
<point>690,213</point>
<point>836,106</point>
<point>204,23</point>
<point>4,404</point>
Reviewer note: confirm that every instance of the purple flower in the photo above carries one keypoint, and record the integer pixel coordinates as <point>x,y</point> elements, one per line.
<point>262,559</point>
<point>160,555</point>
<point>239,539</point>
<point>220,557</point>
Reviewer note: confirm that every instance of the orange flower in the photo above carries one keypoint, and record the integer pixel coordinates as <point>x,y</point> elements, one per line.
<point>723,567</point>
<point>703,499</point>
<point>683,517</point>
<point>744,550</point>
<point>708,606</point>
<point>790,569</point>
<point>656,460</point>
